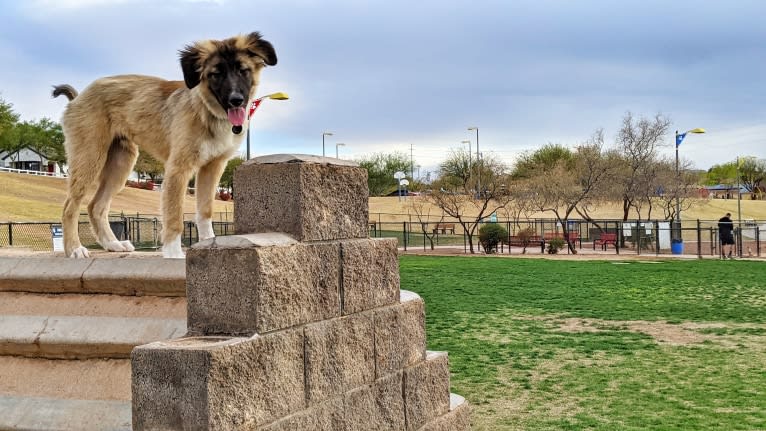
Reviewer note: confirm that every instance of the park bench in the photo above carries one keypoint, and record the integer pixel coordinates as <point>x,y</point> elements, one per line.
<point>444,228</point>
<point>605,239</point>
<point>516,241</point>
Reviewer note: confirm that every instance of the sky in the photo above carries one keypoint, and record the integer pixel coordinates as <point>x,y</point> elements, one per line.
<point>413,76</point>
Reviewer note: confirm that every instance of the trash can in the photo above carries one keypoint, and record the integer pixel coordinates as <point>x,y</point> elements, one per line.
<point>677,247</point>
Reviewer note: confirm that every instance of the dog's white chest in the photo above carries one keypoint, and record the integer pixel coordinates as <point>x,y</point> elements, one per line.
<point>226,145</point>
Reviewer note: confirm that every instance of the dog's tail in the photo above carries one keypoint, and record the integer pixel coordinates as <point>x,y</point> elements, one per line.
<point>65,89</point>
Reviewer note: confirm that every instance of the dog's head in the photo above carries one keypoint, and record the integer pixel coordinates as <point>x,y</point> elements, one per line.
<point>228,71</point>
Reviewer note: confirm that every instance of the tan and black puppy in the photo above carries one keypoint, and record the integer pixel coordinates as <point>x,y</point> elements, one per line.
<point>193,126</point>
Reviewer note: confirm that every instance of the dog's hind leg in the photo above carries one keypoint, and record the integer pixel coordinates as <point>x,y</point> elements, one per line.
<point>119,163</point>
<point>70,218</point>
<point>84,164</point>
<point>207,180</point>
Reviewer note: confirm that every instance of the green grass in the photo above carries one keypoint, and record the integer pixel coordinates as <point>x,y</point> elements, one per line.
<point>572,345</point>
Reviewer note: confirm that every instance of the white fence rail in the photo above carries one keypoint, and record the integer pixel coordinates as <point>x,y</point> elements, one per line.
<point>38,173</point>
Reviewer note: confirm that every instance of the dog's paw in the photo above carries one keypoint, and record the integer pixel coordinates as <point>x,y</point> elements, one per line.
<point>205,229</point>
<point>113,246</point>
<point>172,250</point>
<point>80,253</point>
<point>127,246</point>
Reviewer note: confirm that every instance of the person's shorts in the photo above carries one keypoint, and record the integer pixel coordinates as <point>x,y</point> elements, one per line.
<point>727,239</point>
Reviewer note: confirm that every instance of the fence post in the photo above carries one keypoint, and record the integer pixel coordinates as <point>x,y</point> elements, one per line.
<point>757,240</point>
<point>10,234</point>
<point>404,234</point>
<point>657,237</point>
<point>699,240</point>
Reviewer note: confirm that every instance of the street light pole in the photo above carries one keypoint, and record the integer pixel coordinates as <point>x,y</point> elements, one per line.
<point>339,144</point>
<point>678,186</point>
<point>323,135</point>
<point>478,159</point>
<point>679,138</point>
<point>253,106</point>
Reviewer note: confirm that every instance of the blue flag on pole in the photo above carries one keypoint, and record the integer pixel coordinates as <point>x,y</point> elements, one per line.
<point>680,138</point>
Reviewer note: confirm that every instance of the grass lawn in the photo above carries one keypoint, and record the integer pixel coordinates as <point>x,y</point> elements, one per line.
<point>571,345</point>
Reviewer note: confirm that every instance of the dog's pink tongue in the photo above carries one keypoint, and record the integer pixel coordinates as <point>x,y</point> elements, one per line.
<point>236,116</point>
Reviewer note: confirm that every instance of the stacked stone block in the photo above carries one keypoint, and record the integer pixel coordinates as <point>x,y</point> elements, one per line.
<point>297,322</point>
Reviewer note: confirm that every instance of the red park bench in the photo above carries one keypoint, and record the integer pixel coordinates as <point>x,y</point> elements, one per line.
<point>605,239</point>
<point>444,228</point>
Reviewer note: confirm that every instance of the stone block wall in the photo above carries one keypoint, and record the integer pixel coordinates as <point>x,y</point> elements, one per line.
<point>301,327</point>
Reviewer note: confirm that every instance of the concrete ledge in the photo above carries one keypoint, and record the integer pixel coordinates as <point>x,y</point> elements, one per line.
<point>70,337</point>
<point>138,276</point>
<point>18,413</point>
<point>42,274</point>
<point>157,277</point>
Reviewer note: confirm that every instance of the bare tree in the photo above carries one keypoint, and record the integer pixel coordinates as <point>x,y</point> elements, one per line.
<point>565,186</point>
<point>638,143</point>
<point>670,186</point>
<point>454,196</point>
<point>423,209</point>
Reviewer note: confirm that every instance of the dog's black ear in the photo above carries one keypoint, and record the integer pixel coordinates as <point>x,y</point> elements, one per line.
<point>262,48</point>
<point>190,58</point>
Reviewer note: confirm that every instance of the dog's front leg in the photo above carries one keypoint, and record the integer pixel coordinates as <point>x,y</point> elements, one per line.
<point>206,183</point>
<point>173,193</point>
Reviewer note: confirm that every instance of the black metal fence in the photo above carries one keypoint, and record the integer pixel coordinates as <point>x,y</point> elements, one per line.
<point>657,237</point>
<point>638,237</point>
<point>142,230</point>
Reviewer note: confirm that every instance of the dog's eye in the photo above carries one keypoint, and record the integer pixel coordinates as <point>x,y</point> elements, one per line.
<point>244,71</point>
<point>215,74</point>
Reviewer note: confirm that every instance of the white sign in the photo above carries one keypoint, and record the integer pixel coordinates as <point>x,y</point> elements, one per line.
<point>404,182</point>
<point>57,235</point>
<point>399,175</point>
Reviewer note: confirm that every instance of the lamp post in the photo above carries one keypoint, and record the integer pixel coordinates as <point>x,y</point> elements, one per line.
<point>470,164</point>
<point>253,106</point>
<point>323,135</point>
<point>339,144</point>
<point>679,138</point>
<point>478,158</point>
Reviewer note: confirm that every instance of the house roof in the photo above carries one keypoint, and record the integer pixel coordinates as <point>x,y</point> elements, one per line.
<point>726,188</point>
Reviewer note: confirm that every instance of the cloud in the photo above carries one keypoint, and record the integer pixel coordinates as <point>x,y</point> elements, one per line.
<point>387,74</point>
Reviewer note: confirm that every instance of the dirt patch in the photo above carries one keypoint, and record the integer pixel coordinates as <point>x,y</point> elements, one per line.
<point>682,334</point>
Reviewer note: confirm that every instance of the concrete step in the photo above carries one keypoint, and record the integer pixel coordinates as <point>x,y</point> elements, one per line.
<point>94,379</point>
<point>72,304</point>
<point>48,414</point>
<point>77,337</point>
<point>128,276</point>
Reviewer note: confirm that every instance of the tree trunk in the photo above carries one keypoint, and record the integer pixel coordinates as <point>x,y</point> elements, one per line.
<point>625,209</point>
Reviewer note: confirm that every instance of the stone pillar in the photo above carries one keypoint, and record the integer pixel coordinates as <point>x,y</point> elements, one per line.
<point>297,321</point>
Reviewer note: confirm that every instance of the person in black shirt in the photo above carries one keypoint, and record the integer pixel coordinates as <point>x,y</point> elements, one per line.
<point>725,228</point>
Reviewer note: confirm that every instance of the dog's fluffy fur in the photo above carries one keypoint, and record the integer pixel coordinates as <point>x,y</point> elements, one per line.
<point>186,124</point>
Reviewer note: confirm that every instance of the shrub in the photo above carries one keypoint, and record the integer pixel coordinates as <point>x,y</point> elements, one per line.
<point>554,245</point>
<point>491,235</point>
<point>525,236</point>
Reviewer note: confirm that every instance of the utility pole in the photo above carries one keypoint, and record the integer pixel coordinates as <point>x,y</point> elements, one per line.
<point>412,165</point>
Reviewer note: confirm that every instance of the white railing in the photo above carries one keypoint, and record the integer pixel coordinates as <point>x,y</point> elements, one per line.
<point>39,173</point>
